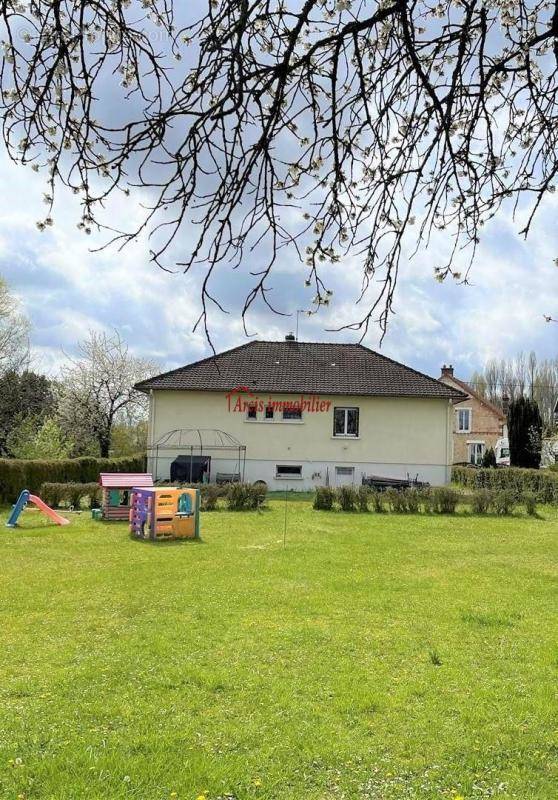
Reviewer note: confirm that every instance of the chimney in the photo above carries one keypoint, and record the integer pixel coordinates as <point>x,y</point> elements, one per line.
<point>290,337</point>
<point>447,372</point>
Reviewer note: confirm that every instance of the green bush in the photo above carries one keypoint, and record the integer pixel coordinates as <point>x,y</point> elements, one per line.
<point>530,502</point>
<point>347,498</point>
<point>324,498</point>
<point>543,483</point>
<point>377,499</point>
<point>209,496</point>
<point>396,500</point>
<point>445,500</point>
<point>363,498</point>
<point>258,494</point>
<point>18,474</point>
<point>481,500</point>
<point>504,501</point>
<point>245,496</point>
<point>70,494</point>
<point>53,493</point>
<point>426,500</point>
<point>412,498</point>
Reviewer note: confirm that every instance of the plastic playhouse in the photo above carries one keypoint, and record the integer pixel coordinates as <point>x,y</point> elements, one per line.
<point>117,492</point>
<point>165,513</point>
<point>22,501</point>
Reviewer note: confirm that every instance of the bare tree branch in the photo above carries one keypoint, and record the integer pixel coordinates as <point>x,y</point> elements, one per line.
<point>337,128</point>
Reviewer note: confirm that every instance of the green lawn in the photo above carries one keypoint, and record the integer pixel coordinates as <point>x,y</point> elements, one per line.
<point>373,657</point>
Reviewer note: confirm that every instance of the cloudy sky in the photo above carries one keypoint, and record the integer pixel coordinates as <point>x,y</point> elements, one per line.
<point>66,289</point>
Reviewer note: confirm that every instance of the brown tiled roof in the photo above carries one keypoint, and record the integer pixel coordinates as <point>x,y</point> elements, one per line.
<point>473,393</point>
<point>302,367</point>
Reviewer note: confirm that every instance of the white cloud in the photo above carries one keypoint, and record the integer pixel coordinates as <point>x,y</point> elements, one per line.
<point>67,289</point>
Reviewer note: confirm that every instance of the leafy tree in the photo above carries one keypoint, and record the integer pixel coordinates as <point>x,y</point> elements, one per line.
<point>525,433</point>
<point>14,332</point>
<point>341,128</point>
<point>98,388</point>
<point>489,458</point>
<point>37,437</point>
<point>26,391</point>
<point>127,440</point>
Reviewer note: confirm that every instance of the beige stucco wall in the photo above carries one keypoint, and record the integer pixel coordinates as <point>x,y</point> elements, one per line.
<point>399,434</point>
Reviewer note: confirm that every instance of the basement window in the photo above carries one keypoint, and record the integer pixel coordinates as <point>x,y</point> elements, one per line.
<point>288,471</point>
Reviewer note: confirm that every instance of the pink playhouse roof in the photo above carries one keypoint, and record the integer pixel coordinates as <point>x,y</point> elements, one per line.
<point>125,480</point>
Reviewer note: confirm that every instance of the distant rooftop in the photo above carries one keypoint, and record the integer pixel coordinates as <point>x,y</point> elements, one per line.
<point>302,368</point>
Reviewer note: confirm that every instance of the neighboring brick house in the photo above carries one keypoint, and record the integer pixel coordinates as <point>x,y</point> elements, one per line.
<point>478,424</point>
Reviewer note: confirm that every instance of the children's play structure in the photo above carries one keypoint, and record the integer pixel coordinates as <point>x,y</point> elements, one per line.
<point>25,498</point>
<point>117,490</point>
<point>165,513</point>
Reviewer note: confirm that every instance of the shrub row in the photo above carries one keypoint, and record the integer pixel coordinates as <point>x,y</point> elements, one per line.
<point>71,494</point>
<point>439,500</point>
<point>349,498</point>
<point>542,483</point>
<point>245,496</point>
<point>17,474</point>
<point>236,496</point>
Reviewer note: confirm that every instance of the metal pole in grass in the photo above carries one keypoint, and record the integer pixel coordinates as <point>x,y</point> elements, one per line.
<point>285,520</point>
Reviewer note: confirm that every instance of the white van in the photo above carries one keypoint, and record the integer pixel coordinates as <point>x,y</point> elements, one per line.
<point>502,451</point>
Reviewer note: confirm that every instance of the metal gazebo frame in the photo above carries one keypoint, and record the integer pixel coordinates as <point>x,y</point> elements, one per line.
<point>177,441</point>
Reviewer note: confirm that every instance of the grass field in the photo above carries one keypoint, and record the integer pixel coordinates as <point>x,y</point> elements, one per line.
<point>372,657</point>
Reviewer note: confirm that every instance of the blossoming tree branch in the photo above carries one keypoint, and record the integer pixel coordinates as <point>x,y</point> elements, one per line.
<point>334,128</point>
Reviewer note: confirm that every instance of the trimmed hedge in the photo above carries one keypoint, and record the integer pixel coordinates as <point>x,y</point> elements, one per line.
<point>245,496</point>
<point>71,494</point>
<point>324,498</point>
<point>17,474</point>
<point>542,483</point>
<point>236,496</point>
<point>347,498</point>
<point>438,500</point>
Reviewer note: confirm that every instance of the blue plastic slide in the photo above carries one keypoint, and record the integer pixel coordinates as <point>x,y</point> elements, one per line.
<point>22,501</point>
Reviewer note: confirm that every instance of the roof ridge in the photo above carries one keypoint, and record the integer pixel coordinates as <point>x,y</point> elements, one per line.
<point>477,396</point>
<point>303,367</point>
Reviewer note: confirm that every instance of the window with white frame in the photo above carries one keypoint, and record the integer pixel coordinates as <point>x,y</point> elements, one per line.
<point>252,412</point>
<point>464,420</point>
<point>345,421</point>
<point>288,471</point>
<point>292,412</point>
<point>476,452</point>
<point>269,412</point>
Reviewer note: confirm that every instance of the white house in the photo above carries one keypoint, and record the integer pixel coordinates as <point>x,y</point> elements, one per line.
<point>301,414</point>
